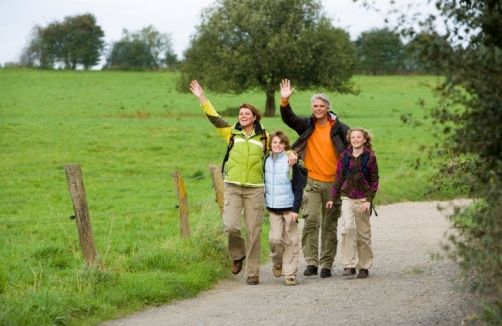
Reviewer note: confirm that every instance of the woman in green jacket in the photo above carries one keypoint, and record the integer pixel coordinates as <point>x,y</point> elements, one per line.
<point>243,182</point>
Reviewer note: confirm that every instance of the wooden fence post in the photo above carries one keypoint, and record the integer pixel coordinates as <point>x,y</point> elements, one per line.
<point>82,216</point>
<point>183,204</point>
<point>217,185</point>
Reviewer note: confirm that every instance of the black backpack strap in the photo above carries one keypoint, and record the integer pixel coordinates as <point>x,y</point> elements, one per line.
<point>366,172</point>
<point>365,169</point>
<point>345,171</point>
<point>372,208</point>
<point>264,139</point>
<point>225,159</point>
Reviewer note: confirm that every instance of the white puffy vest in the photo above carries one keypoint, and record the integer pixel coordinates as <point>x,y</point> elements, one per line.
<point>278,188</point>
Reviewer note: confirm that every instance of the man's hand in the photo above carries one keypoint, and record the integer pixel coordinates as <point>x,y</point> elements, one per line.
<point>286,90</point>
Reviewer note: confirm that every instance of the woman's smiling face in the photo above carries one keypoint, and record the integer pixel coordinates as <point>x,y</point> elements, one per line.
<point>246,117</point>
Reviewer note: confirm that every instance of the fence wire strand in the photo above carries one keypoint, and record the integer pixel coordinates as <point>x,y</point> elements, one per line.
<point>92,175</point>
<point>193,206</point>
<point>174,207</point>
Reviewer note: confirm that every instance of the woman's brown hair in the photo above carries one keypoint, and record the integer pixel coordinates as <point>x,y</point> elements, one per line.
<point>255,111</point>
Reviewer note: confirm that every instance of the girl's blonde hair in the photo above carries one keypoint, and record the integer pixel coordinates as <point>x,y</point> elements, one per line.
<point>367,137</point>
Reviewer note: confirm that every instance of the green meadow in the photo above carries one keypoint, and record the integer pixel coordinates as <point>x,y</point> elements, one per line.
<point>129,132</point>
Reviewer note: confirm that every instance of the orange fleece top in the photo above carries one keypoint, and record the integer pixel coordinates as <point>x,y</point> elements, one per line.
<point>321,158</point>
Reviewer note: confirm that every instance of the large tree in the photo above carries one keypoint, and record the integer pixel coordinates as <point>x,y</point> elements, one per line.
<point>463,41</point>
<point>254,44</point>
<point>146,49</point>
<point>379,51</point>
<point>78,40</point>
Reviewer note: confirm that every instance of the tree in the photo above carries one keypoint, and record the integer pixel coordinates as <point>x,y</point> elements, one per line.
<point>254,44</point>
<point>147,49</point>
<point>34,54</point>
<point>464,42</point>
<point>379,51</point>
<point>130,55</point>
<point>85,43</point>
<point>77,40</point>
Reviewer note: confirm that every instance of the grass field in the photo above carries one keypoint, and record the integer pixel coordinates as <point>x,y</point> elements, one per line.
<point>129,132</point>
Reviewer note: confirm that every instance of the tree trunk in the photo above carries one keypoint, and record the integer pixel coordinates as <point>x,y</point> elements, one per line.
<point>270,103</point>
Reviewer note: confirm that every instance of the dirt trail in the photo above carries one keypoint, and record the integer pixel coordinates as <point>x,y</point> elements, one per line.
<point>405,287</point>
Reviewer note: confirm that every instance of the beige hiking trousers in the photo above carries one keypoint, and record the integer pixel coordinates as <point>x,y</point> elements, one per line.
<point>284,242</point>
<point>356,235</point>
<point>248,202</point>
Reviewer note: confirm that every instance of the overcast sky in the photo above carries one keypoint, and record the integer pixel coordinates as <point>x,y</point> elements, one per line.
<point>176,17</point>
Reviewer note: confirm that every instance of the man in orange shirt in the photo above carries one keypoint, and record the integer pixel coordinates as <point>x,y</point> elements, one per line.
<point>322,137</point>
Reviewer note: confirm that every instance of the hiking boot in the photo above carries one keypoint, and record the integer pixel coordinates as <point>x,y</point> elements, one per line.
<point>363,273</point>
<point>325,272</point>
<point>349,271</point>
<point>310,270</point>
<point>237,266</point>
<point>290,280</point>
<point>277,270</point>
<point>253,280</point>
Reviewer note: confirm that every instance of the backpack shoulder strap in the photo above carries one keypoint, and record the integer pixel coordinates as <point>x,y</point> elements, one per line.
<point>365,170</point>
<point>225,159</point>
<point>345,170</point>
<point>264,139</point>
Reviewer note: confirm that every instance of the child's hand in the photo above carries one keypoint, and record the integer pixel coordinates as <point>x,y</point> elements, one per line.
<point>329,204</point>
<point>365,207</point>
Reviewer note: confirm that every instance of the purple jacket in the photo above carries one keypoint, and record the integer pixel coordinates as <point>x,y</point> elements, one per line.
<point>356,186</point>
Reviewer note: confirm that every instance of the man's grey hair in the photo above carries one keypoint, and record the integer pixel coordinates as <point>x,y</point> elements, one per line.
<point>323,97</point>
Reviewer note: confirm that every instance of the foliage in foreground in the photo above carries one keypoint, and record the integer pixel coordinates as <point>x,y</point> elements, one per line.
<point>469,53</point>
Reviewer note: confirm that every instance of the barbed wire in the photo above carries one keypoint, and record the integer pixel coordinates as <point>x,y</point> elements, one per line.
<point>132,212</point>
<point>115,177</point>
<point>34,220</point>
<point>91,175</point>
<point>28,175</point>
<point>150,177</point>
<point>71,217</point>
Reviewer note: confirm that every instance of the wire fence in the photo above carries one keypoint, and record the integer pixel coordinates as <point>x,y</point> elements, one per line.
<point>16,220</point>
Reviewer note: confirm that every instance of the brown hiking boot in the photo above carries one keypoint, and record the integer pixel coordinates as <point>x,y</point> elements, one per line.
<point>349,271</point>
<point>277,270</point>
<point>363,273</point>
<point>290,280</point>
<point>237,266</point>
<point>253,280</point>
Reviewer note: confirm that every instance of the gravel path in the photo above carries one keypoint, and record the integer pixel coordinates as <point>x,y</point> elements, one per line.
<point>405,287</point>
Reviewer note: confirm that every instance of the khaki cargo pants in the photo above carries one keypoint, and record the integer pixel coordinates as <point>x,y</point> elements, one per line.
<point>248,202</point>
<point>318,218</point>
